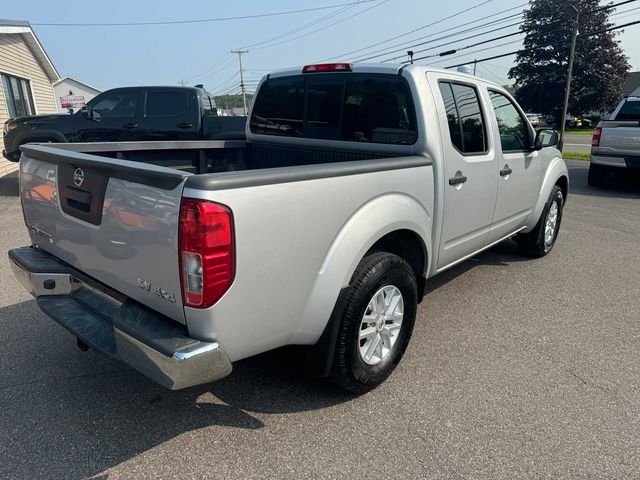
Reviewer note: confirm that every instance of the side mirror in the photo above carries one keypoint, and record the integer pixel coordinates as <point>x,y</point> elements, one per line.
<point>84,108</point>
<point>546,138</point>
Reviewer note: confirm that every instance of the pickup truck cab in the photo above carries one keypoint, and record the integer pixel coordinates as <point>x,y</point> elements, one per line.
<point>356,184</point>
<point>128,114</point>
<point>616,142</point>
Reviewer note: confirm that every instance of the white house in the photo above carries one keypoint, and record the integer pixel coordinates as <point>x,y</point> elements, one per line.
<point>26,75</point>
<point>73,94</point>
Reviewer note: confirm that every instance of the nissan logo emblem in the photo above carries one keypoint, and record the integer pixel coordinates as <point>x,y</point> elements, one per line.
<point>78,177</point>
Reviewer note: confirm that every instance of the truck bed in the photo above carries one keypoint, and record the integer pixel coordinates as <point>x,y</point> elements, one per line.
<point>204,157</point>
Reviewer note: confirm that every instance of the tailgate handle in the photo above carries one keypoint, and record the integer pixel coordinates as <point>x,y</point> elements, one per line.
<point>78,199</point>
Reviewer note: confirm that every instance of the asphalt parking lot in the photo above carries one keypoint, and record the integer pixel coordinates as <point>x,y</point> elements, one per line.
<point>517,369</point>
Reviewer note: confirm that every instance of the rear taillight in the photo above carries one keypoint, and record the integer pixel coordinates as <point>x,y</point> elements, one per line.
<point>206,247</point>
<point>597,133</point>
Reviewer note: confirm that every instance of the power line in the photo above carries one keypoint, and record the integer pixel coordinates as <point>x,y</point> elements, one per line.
<point>508,54</point>
<point>326,26</point>
<point>410,43</point>
<point>412,31</point>
<point>468,53</point>
<point>201,20</point>
<point>307,25</point>
<point>227,82</point>
<point>467,38</point>
<point>522,31</point>
<point>217,66</point>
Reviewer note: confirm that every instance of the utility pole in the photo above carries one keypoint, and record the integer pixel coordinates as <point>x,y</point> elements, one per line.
<point>567,90</point>
<point>182,82</point>
<point>475,64</point>
<point>410,53</point>
<point>240,51</point>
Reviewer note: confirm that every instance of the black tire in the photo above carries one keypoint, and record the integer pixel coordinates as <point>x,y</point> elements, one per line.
<point>375,271</point>
<point>533,244</point>
<point>597,174</point>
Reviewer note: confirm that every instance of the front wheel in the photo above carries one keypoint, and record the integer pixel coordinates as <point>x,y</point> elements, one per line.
<point>539,241</point>
<point>377,322</point>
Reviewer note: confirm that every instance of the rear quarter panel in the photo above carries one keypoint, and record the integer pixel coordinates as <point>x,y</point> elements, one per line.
<point>297,245</point>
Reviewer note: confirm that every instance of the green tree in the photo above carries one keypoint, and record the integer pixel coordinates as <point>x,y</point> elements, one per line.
<point>600,65</point>
<point>230,101</point>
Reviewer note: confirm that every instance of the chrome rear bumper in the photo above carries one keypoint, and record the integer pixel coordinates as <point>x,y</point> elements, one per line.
<point>154,345</point>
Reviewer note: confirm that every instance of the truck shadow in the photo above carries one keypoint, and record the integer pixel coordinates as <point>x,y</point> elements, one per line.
<point>57,401</point>
<point>623,184</point>
<point>9,185</point>
<point>501,255</point>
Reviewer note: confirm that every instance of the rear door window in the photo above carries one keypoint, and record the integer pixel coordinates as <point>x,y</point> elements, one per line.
<point>166,104</point>
<point>355,107</point>
<point>465,117</point>
<point>453,119</point>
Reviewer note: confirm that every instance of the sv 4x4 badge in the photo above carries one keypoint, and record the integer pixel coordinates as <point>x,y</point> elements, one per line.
<point>168,296</point>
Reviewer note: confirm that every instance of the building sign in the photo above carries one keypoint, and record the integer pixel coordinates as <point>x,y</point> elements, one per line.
<point>72,101</point>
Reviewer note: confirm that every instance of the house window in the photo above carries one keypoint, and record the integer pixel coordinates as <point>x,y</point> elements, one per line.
<point>17,94</point>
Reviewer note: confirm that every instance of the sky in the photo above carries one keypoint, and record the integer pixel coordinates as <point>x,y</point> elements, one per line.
<point>195,53</point>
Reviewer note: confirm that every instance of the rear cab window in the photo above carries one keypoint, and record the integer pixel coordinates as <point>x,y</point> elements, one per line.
<point>630,110</point>
<point>350,107</point>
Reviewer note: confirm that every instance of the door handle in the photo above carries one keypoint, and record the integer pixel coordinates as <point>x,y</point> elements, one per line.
<point>458,179</point>
<point>184,125</point>
<point>130,125</point>
<point>506,171</point>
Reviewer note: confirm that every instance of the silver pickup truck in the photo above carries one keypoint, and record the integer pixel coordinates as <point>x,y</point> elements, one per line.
<point>356,183</point>
<point>616,142</point>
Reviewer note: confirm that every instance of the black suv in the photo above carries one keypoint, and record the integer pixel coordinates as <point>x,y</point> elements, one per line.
<point>128,114</point>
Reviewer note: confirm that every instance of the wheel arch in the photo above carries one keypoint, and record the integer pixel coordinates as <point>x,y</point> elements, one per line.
<point>394,222</point>
<point>408,245</point>
<point>555,174</point>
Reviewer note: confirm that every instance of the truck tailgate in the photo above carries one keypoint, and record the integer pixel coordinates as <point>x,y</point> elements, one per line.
<point>620,137</point>
<point>114,220</point>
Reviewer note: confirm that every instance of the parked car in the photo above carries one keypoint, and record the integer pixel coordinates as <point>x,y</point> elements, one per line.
<point>615,144</point>
<point>355,185</point>
<point>535,119</point>
<point>128,114</point>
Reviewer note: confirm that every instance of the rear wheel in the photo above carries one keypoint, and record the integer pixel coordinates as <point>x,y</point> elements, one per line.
<point>377,322</point>
<point>596,175</point>
<point>539,241</point>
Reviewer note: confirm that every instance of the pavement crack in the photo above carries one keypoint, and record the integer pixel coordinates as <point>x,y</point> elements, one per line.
<point>577,377</point>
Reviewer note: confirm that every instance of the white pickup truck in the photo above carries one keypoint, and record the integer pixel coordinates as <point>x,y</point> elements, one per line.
<point>355,185</point>
<point>615,144</point>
